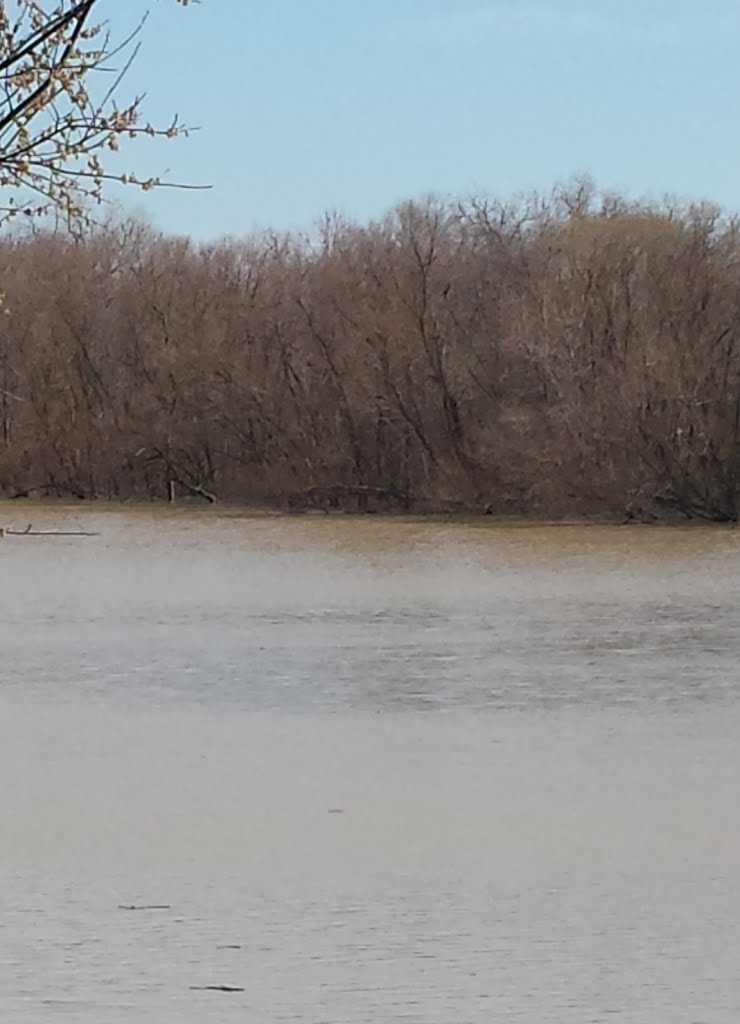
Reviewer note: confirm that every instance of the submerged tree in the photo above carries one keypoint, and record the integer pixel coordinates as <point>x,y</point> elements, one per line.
<point>56,125</point>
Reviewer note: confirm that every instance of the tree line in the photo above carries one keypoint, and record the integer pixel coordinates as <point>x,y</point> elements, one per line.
<point>577,354</point>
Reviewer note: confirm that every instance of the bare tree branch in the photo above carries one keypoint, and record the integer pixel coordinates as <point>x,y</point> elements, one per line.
<point>54,130</point>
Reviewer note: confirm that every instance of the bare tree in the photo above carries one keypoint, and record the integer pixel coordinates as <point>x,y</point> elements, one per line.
<point>536,358</point>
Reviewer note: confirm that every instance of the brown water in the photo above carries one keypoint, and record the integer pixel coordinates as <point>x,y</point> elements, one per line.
<point>375,770</point>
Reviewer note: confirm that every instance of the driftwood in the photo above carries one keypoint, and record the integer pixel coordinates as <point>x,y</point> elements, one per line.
<point>216,988</point>
<point>30,532</point>
<point>47,490</point>
<point>357,497</point>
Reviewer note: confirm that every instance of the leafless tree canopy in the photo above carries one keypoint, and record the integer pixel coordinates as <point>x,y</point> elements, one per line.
<point>574,355</point>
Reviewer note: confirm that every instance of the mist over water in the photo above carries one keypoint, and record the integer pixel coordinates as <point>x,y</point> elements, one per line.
<point>373,769</point>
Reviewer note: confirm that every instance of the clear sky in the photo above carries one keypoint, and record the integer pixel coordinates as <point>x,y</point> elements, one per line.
<point>353,105</point>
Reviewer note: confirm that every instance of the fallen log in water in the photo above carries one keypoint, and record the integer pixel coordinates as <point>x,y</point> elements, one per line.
<point>30,532</point>
<point>215,988</point>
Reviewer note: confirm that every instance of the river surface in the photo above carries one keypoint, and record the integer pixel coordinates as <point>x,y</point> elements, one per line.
<point>368,770</point>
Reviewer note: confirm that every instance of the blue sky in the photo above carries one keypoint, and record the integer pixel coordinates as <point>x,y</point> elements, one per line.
<point>352,105</point>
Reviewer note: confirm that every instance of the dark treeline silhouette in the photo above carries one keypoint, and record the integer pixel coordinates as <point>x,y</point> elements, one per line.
<point>571,356</point>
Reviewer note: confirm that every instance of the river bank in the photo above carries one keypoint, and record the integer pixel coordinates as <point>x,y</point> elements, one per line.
<point>16,511</point>
<point>575,356</point>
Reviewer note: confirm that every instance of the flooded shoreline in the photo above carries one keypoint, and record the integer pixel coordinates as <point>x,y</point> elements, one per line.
<point>20,509</point>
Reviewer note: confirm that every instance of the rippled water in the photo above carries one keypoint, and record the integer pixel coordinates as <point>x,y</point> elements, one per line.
<point>372,770</point>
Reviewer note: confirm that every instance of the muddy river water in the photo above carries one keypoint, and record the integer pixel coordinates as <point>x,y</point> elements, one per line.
<point>367,770</point>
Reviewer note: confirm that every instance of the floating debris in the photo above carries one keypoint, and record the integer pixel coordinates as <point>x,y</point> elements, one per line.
<point>146,906</point>
<point>215,988</point>
<point>29,531</point>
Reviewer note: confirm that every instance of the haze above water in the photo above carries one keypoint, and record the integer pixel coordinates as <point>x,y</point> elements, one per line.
<point>374,770</point>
